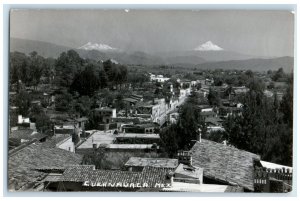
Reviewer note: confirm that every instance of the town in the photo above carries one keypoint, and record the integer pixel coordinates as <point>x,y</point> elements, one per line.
<point>77,124</point>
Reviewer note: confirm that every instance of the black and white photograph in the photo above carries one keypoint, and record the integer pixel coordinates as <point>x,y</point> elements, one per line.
<point>150,100</point>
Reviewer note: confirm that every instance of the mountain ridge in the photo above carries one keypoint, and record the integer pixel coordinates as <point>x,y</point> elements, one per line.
<point>199,59</point>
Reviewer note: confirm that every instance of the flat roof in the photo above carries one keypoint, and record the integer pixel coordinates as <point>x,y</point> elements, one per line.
<point>152,162</point>
<point>98,137</point>
<point>129,146</point>
<point>189,187</point>
<point>138,135</point>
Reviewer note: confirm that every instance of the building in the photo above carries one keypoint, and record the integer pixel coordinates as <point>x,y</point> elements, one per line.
<point>30,164</point>
<point>271,177</point>
<point>224,164</point>
<point>152,111</point>
<point>137,138</point>
<point>188,174</point>
<point>67,129</point>
<point>95,140</point>
<point>143,148</point>
<point>107,114</point>
<point>67,144</point>
<point>138,163</point>
<point>18,137</point>
<point>140,128</point>
<point>87,178</point>
<point>24,122</point>
<point>158,78</point>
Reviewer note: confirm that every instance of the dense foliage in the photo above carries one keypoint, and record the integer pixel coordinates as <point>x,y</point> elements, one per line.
<point>265,126</point>
<point>183,134</point>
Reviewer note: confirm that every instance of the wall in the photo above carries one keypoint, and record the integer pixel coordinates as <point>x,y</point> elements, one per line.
<point>67,145</point>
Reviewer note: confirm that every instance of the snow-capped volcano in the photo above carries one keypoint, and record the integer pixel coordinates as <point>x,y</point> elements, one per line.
<point>96,46</point>
<point>208,46</point>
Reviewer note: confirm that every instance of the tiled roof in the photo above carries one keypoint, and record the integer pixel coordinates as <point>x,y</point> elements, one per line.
<point>225,163</point>
<point>152,162</point>
<point>154,175</point>
<point>150,175</point>
<point>234,189</point>
<point>88,173</point>
<point>50,143</point>
<point>26,134</point>
<point>22,165</point>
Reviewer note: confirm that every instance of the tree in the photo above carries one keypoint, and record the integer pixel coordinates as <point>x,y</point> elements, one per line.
<point>19,69</point>
<point>169,137</point>
<point>181,136</point>
<point>43,123</point>
<point>23,102</point>
<point>83,105</point>
<point>214,97</point>
<point>278,75</point>
<point>86,82</point>
<point>36,64</point>
<point>103,79</point>
<point>62,101</point>
<point>94,119</point>
<point>286,105</point>
<point>67,65</point>
<point>262,128</point>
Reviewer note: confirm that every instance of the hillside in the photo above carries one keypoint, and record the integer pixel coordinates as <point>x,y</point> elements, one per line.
<point>44,49</point>
<point>287,63</point>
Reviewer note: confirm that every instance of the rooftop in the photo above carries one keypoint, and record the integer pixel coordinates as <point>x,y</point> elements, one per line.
<point>190,187</point>
<point>225,163</point>
<point>82,119</point>
<point>129,146</point>
<point>26,134</point>
<point>138,135</point>
<point>213,120</point>
<point>130,100</point>
<point>190,171</point>
<point>150,175</point>
<point>275,166</point>
<point>98,137</point>
<point>53,141</point>
<point>152,162</point>
<point>22,165</point>
<point>105,109</point>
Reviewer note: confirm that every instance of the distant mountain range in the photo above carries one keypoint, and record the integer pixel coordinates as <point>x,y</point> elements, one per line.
<point>205,56</point>
<point>44,49</point>
<point>287,63</point>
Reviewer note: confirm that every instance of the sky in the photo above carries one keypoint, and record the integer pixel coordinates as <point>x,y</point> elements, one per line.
<point>260,33</point>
